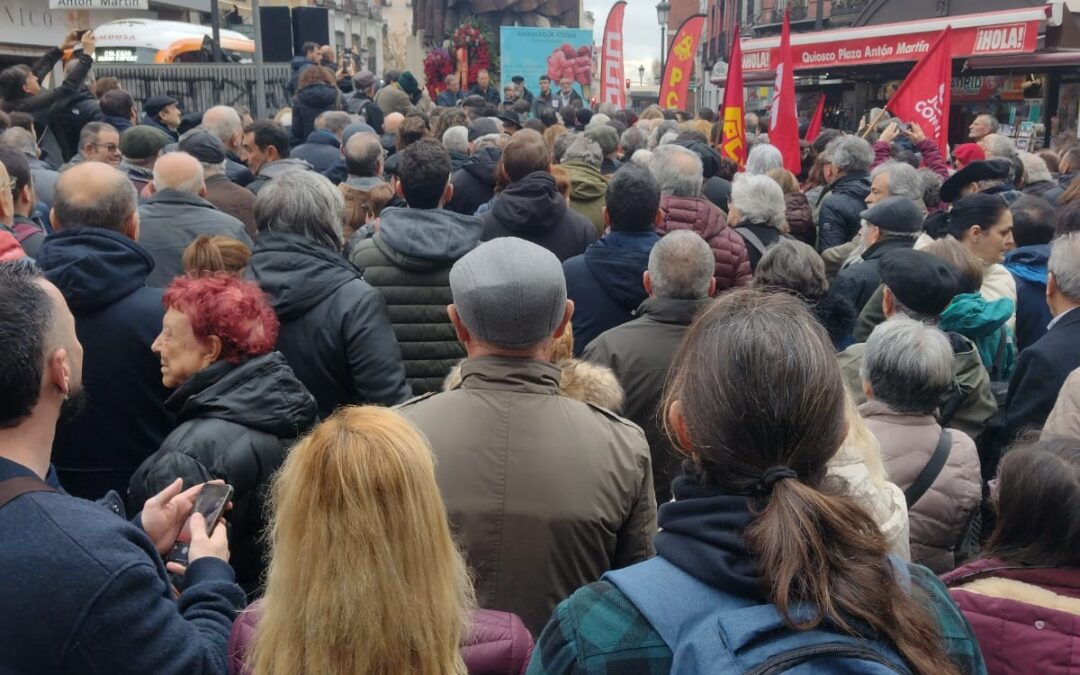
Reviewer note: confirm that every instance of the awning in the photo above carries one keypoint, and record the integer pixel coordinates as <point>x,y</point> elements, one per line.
<point>1031,61</point>
<point>1013,31</point>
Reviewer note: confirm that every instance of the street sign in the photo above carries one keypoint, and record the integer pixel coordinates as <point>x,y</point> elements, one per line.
<point>99,4</point>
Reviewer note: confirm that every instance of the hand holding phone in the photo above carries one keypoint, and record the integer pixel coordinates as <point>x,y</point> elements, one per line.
<point>199,537</point>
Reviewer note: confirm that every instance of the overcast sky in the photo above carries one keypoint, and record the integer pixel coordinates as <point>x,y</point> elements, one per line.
<point>640,30</point>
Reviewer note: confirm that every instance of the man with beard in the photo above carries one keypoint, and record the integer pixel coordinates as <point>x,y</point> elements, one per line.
<point>94,260</point>
<point>86,591</point>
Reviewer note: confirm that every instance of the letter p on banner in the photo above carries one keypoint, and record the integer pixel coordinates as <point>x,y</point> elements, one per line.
<point>611,59</point>
<point>674,88</point>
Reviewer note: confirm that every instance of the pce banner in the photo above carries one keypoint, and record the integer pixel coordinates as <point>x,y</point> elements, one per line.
<point>612,82</point>
<point>555,52</point>
<point>675,86</point>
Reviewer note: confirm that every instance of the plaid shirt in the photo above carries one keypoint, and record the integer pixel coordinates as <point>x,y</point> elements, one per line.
<point>598,631</point>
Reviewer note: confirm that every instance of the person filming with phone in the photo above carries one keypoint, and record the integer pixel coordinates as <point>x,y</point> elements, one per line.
<point>237,402</point>
<point>86,591</point>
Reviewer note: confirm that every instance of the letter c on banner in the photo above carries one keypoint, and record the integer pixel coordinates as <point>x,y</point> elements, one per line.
<point>672,100</point>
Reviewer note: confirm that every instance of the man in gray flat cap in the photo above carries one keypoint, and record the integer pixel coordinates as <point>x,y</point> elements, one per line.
<point>545,493</point>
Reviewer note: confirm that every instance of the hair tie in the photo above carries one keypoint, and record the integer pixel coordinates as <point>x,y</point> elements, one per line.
<point>773,476</point>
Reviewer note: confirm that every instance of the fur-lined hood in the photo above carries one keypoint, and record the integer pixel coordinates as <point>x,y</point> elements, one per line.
<point>581,381</point>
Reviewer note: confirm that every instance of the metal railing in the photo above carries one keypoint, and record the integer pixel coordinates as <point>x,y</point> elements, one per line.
<point>199,86</point>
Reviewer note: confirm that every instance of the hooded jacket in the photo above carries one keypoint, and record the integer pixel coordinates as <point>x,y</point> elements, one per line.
<point>587,189</point>
<point>1026,618</point>
<point>534,209</point>
<point>699,215</point>
<point>939,519</point>
<point>236,422</point>
<point>335,331</point>
<point>842,202</point>
<point>271,170</point>
<point>298,64</point>
<point>474,182</point>
<point>458,159</point>
<point>408,261</point>
<point>984,323</point>
<point>1027,265</point>
<point>605,282</point>
<point>321,149</point>
<point>170,220</point>
<point>309,103</point>
<point>102,275</point>
<point>857,282</point>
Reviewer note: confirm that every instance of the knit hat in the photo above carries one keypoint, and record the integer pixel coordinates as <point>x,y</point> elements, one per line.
<point>920,281</point>
<point>364,79</point>
<point>408,83</point>
<point>143,142</point>
<point>605,137</point>
<point>894,214</point>
<point>483,126</point>
<point>509,292</point>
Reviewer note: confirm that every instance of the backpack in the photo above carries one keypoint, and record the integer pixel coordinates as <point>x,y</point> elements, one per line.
<point>710,631</point>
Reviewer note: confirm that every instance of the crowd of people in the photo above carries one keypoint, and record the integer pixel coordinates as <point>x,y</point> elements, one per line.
<point>512,385</point>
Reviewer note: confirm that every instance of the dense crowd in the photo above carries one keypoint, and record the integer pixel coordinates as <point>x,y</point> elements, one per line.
<point>502,384</point>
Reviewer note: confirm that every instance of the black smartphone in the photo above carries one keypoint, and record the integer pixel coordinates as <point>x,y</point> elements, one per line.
<point>81,32</point>
<point>211,503</point>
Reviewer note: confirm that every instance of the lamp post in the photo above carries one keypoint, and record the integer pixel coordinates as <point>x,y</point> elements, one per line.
<point>641,74</point>
<point>663,9</point>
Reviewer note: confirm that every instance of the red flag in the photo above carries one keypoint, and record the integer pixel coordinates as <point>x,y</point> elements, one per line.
<point>611,55</point>
<point>814,129</point>
<point>674,88</point>
<point>783,120</point>
<point>733,139</point>
<point>924,95</point>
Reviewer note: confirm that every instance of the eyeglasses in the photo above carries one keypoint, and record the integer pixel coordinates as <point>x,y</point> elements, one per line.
<point>111,147</point>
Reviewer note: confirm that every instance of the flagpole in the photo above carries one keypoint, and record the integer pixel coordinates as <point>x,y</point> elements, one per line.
<point>873,123</point>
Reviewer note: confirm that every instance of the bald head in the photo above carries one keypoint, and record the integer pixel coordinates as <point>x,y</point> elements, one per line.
<point>94,194</point>
<point>392,122</point>
<point>224,122</point>
<point>181,172</point>
<point>363,155</point>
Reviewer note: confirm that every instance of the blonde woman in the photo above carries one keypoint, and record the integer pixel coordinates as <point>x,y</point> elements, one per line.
<point>364,576</point>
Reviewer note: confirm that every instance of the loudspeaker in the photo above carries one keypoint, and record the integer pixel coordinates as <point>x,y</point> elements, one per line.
<point>310,24</point>
<point>276,34</point>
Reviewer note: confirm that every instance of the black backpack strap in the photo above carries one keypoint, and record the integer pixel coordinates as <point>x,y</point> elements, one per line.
<point>752,239</point>
<point>931,471</point>
<point>20,485</point>
<point>999,355</point>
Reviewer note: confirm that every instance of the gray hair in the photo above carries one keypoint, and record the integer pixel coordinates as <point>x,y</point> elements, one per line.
<point>849,154</point>
<point>763,158</point>
<point>584,150</point>
<point>990,121</point>
<point>212,169</point>
<point>597,120</point>
<point>20,139</point>
<point>1065,265</point>
<point>487,141</point>
<point>904,180</point>
<point>303,203</point>
<point>909,365</point>
<point>1035,169</point>
<point>456,138</point>
<point>222,121</point>
<point>643,158</point>
<point>632,140</point>
<point>996,145</point>
<point>759,200</point>
<point>656,136</point>
<point>679,171</point>
<point>107,211</point>
<point>792,266</point>
<point>333,121</point>
<point>607,109</point>
<point>681,265</point>
<point>562,142</point>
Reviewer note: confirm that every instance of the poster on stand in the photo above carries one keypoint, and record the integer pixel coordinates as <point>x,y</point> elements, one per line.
<point>555,52</point>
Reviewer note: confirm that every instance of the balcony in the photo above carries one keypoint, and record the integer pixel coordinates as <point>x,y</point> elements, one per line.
<point>843,12</point>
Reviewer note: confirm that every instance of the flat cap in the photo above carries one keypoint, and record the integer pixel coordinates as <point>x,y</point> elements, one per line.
<point>155,104</point>
<point>509,292</point>
<point>990,169</point>
<point>203,146</point>
<point>920,281</point>
<point>895,214</point>
<point>605,137</point>
<point>517,79</point>
<point>364,79</point>
<point>483,126</point>
<point>143,141</point>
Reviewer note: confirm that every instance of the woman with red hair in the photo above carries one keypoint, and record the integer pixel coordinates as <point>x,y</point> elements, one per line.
<point>238,404</point>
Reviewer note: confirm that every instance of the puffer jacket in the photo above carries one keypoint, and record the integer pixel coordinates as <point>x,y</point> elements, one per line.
<point>533,208</point>
<point>841,203</point>
<point>699,215</point>
<point>474,183</point>
<point>335,331</point>
<point>408,261</point>
<point>800,218</point>
<point>940,518</point>
<point>982,322</point>
<point>236,422</point>
<point>1026,619</point>
<point>309,103</point>
<point>587,189</point>
<point>1064,419</point>
<point>497,643</point>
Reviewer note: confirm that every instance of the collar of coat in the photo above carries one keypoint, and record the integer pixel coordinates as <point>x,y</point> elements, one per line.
<point>676,311</point>
<point>527,376</point>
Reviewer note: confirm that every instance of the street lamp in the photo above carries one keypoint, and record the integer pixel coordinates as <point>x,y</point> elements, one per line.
<point>641,74</point>
<point>663,9</point>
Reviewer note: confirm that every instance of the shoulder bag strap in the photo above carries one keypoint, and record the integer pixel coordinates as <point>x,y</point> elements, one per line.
<point>931,471</point>
<point>20,485</point>
<point>999,355</point>
<point>752,239</point>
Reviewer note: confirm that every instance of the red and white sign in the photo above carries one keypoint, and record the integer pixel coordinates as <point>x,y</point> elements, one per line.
<point>923,96</point>
<point>991,33</point>
<point>611,58</point>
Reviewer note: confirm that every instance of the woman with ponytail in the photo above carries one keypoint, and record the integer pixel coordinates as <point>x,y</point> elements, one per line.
<point>760,564</point>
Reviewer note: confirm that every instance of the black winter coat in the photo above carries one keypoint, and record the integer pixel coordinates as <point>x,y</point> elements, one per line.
<point>858,282</point>
<point>40,105</point>
<point>236,422</point>
<point>371,114</point>
<point>1040,373</point>
<point>841,203</point>
<point>474,183</point>
<point>309,103</point>
<point>534,209</point>
<point>335,331</point>
<point>409,261</point>
<point>68,117</point>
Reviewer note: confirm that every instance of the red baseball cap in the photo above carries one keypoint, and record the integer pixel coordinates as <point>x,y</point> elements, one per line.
<point>966,153</point>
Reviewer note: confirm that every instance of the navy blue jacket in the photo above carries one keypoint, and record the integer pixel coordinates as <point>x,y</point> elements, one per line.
<point>121,124</point>
<point>85,591</point>
<point>605,283</point>
<point>321,150</point>
<point>236,170</point>
<point>1040,372</point>
<point>102,274</point>
<point>298,64</point>
<point>1027,265</point>
<point>449,99</point>
<point>310,102</point>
